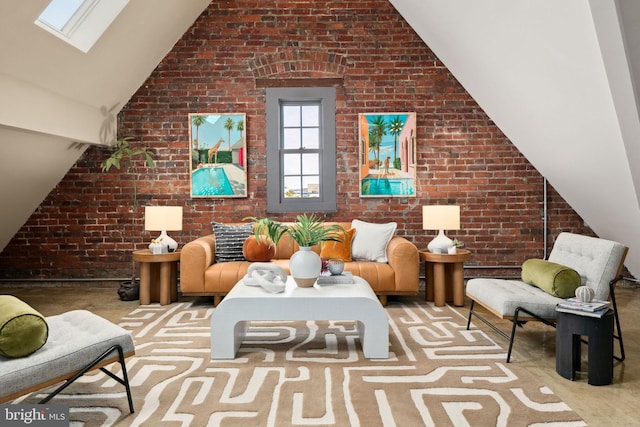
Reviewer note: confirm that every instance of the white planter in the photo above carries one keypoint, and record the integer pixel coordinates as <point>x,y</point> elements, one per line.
<point>336,266</point>
<point>305,266</point>
<point>452,250</point>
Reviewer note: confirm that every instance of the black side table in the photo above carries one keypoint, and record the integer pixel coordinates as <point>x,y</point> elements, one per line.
<point>569,329</point>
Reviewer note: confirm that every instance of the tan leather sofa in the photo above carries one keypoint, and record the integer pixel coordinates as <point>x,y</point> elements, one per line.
<point>201,275</point>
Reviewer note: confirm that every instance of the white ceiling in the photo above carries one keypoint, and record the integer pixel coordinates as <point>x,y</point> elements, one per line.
<point>54,95</point>
<point>556,76</point>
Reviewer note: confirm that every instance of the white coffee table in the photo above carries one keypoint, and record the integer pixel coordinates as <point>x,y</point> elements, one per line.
<point>355,301</point>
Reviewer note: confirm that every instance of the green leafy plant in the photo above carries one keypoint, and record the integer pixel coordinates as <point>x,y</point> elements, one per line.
<point>309,231</point>
<point>124,152</point>
<point>267,231</point>
<point>457,243</point>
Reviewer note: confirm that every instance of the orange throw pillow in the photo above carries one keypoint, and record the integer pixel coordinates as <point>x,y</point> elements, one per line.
<point>339,250</point>
<point>252,250</point>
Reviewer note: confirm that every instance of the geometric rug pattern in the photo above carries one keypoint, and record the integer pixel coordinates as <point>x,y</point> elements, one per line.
<point>314,374</point>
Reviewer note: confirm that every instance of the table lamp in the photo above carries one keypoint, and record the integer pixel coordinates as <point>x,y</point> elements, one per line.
<point>163,218</point>
<point>440,217</point>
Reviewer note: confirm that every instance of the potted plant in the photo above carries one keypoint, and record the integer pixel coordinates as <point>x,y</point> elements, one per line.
<point>267,233</point>
<point>123,151</point>
<point>305,265</point>
<point>455,244</point>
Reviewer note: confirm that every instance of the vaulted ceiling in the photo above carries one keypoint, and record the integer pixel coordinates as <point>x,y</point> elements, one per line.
<point>558,77</point>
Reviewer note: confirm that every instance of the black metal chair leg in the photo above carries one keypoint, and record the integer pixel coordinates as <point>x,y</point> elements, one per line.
<point>512,337</point>
<point>470,314</point>
<point>617,318</point>
<point>124,381</point>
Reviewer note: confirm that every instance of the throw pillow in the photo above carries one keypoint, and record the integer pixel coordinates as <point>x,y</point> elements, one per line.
<point>22,329</point>
<point>339,250</point>
<point>371,240</point>
<point>229,240</point>
<point>555,279</point>
<point>257,251</point>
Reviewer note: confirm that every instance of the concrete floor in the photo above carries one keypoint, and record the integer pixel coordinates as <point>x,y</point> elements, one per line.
<point>534,348</point>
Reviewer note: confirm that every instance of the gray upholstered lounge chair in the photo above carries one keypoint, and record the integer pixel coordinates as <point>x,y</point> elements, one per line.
<point>598,261</point>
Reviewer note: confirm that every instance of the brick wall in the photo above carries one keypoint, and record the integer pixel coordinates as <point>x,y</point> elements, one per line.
<point>84,228</point>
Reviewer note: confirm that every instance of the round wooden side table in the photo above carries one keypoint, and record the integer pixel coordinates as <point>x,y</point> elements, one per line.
<point>444,276</point>
<point>158,276</point>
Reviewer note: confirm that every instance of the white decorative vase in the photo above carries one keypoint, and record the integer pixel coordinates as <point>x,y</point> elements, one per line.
<point>305,266</point>
<point>336,266</point>
<point>584,293</point>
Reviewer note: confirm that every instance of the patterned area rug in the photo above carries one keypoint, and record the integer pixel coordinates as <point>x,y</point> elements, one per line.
<point>314,374</point>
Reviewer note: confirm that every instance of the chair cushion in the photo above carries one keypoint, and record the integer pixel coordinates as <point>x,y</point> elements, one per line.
<point>339,250</point>
<point>597,260</point>
<point>371,240</point>
<point>502,297</point>
<point>553,278</point>
<point>229,240</point>
<point>22,329</point>
<point>76,338</point>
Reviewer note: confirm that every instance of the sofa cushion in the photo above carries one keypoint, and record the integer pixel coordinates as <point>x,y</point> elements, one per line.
<point>22,329</point>
<point>229,240</point>
<point>339,250</point>
<point>555,279</point>
<point>371,240</point>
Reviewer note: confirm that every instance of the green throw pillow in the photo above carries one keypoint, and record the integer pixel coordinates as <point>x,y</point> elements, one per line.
<point>554,279</point>
<point>22,329</point>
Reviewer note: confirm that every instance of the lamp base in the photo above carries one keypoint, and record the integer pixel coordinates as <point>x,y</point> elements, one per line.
<point>167,242</point>
<point>440,244</point>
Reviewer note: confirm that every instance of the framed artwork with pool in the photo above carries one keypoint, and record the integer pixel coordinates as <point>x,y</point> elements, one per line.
<point>218,149</point>
<point>387,154</point>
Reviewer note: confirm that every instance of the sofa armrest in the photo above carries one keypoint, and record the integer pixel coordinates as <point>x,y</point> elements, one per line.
<point>403,257</point>
<point>195,257</point>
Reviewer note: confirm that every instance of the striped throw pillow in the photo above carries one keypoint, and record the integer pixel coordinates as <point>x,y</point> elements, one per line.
<point>229,240</point>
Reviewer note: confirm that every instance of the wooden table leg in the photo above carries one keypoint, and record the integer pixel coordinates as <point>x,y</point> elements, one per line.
<point>174,281</point>
<point>145,283</point>
<point>428,282</point>
<point>165,283</point>
<point>458,284</point>
<point>438,284</point>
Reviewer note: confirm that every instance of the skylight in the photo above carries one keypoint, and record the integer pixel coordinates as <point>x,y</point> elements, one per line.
<point>79,22</point>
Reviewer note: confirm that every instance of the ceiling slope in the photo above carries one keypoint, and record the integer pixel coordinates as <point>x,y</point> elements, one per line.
<point>555,77</point>
<point>55,96</point>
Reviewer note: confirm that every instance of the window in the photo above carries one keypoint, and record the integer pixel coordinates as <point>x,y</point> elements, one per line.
<point>79,22</point>
<point>301,150</point>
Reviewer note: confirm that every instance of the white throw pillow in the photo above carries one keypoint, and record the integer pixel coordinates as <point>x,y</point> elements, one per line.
<point>371,240</point>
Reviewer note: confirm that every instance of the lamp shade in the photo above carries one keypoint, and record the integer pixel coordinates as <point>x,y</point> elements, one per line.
<point>163,218</point>
<point>441,217</point>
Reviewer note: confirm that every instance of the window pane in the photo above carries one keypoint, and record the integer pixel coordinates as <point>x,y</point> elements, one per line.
<point>291,139</point>
<point>292,187</point>
<point>310,115</point>
<point>311,163</point>
<point>59,12</point>
<point>292,164</point>
<point>311,186</point>
<point>311,138</point>
<point>290,115</point>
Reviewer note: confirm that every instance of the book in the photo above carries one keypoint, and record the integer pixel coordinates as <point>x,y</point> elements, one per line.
<point>591,306</point>
<point>327,279</point>
<point>596,313</point>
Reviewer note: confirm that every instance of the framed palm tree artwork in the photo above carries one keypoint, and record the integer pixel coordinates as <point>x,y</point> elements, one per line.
<point>387,160</point>
<point>218,151</point>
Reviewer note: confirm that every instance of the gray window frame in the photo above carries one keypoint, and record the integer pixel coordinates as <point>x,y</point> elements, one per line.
<point>327,200</point>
